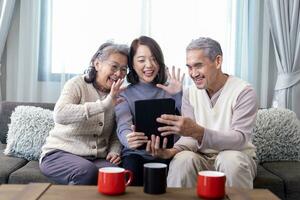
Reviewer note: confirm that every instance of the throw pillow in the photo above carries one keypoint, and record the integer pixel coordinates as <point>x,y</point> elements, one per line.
<point>27,131</point>
<point>277,135</point>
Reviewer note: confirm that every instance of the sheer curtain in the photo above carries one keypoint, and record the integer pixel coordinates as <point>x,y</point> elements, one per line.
<point>23,57</point>
<point>285,29</point>
<point>249,44</point>
<point>184,21</point>
<point>174,25</point>
<point>6,12</point>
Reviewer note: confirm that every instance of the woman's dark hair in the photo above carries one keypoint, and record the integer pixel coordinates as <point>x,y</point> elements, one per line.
<point>104,51</point>
<point>156,51</point>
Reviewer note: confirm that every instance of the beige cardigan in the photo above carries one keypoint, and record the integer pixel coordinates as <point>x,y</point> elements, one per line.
<point>84,122</point>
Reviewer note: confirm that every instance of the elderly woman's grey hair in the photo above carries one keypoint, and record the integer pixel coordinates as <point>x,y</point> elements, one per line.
<point>108,48</point>
<point>210,47</point>
<point>104,51</point>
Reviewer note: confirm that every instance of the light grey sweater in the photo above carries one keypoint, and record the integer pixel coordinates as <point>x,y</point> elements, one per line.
<point>125,111</point>
<point>84,122</point>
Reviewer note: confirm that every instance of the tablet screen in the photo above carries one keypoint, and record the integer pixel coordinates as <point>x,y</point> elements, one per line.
<point>146,112</point>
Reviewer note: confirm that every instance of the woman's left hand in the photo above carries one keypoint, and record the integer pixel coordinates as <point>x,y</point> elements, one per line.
<point>114,158</point>
<point>115,90</point>
<point>154,149</point>
<point>175,82</point>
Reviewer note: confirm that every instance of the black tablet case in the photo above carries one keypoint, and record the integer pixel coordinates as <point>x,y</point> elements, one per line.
<point>146,112</point>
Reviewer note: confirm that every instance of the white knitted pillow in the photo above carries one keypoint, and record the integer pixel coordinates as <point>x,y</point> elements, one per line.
<point>277,135</point>
<point>27,131</point>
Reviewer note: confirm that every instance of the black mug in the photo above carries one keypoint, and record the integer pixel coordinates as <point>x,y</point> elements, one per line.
<point>155,178</point>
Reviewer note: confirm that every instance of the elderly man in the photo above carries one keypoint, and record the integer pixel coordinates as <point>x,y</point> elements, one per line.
<point>219,112</point>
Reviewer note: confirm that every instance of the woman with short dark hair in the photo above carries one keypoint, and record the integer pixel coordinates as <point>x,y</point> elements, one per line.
<point>148,80</point>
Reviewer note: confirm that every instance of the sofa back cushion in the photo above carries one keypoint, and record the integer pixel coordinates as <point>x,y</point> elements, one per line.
<point>277,135</point>
<point>6,108</point>
<point>27,131</point>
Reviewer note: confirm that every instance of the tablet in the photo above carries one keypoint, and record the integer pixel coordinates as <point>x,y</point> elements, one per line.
<point>146,112</point>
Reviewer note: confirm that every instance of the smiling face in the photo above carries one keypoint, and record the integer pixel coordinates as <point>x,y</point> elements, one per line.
<point>145,64</point>
<point>110,70</point>
<point>202,70</point>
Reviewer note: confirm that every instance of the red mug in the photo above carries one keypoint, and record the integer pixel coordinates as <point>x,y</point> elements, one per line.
<point>211,184</point>
<point>113,180</point>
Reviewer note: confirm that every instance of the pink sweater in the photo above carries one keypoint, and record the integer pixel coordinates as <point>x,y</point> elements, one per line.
<point>243,119</point>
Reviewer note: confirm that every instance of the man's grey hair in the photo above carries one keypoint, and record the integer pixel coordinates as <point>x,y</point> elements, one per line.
<point>210,47</point>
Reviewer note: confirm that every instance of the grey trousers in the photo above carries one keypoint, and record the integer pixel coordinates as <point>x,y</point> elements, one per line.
<point>239,168</point>
<point>66,168</point>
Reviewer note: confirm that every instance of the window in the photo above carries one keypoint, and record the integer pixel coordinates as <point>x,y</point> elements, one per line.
<point>79,27</point>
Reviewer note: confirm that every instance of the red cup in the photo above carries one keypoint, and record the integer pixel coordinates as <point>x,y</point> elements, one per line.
<point>211,184</point>
<point>113,180</point>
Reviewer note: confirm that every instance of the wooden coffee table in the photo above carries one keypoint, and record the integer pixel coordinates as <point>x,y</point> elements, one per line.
<point>45,191</point>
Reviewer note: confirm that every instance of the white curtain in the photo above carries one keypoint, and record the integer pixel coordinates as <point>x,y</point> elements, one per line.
<point>23,57</point>
<point>6,12</point>
<point>22,52</point>
<point>285,29</point>
<point>249,47</point>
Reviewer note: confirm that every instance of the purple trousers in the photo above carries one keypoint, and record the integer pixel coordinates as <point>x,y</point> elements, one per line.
<point>66,168</point>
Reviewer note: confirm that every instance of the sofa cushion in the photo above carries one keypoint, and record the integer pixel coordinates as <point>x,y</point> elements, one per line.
<point>277,135</point>
<point>27,132</point>
<point>6,108</point>
<point>289,172</point>
<point>8,165</point>
<point>266,179</point>
<point>27,174</point>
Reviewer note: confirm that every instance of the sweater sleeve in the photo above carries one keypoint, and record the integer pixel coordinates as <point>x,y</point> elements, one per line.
<point>178,100</point>
<point>68,109</point>
<point>243,119</point>
<point>124,120</point>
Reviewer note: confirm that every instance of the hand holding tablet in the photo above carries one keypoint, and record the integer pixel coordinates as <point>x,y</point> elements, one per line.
<point>146,112</point>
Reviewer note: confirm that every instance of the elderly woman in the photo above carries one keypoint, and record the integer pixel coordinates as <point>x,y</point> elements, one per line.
<point>84,137</point>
